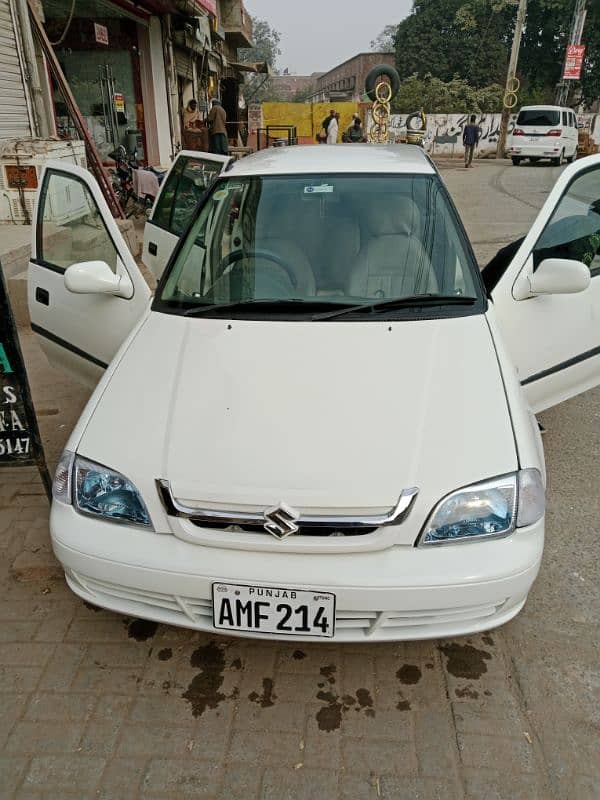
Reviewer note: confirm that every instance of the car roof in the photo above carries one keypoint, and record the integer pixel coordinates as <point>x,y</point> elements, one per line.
<point>331,159</point>
<point>545,108</point>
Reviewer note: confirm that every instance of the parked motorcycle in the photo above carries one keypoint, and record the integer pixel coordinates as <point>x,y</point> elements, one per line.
<point>135,189</point>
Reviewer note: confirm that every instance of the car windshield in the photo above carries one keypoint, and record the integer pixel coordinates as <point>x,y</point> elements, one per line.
<point>544,117</point>
<point>310,243</point>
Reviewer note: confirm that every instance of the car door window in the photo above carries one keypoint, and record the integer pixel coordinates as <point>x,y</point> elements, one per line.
<point>564,119</point>
<point>72,228</point>
<point>186,184</point>
<point>574,229</point>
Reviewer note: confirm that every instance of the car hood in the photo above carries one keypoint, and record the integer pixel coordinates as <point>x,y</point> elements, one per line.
<point>321,415</point>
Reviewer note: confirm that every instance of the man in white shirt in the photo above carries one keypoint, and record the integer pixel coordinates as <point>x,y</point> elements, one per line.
<point>333,130</point>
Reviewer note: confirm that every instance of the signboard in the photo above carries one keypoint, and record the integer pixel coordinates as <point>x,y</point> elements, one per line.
<point>20,442</point>
<point>100,33</point>
<point>208,5</point>
<point>574,62</point>
<point>119,103</point>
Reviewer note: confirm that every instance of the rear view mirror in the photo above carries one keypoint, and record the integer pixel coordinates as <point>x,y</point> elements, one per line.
<point>96,277</point>
<point>559,276</point>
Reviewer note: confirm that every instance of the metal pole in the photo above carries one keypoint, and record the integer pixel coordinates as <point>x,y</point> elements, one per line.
<point>32,68</point>
<point>579,14</point>
<point>511,75</point>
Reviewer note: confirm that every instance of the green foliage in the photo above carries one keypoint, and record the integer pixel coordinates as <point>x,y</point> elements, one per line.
<point>451,97</point>
<point>266,44</point>
<point>471,40</point>
<point>257,89</point>
<point>386,41</point>
<point>454,38</point>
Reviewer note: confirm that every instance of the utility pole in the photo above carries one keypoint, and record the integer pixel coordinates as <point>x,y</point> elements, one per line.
<point>511,77</point>
<point>579,14</point>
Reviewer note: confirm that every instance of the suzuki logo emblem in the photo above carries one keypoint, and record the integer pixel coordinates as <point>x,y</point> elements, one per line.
<point>281,521</point>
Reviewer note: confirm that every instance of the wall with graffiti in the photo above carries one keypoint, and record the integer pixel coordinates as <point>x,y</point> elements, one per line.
<point>444,132</point>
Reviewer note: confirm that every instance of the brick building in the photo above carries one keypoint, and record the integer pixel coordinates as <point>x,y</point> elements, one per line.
<point>286,87</point>
<point>347,80</point>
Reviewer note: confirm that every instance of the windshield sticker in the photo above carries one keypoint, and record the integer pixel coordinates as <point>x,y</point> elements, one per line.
<point>221,194</point>
<point>324,188</point>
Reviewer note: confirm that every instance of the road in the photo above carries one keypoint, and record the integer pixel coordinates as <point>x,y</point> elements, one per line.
<point>95,705</point>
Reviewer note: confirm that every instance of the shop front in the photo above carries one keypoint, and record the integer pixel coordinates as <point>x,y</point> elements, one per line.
<point>104,51</point>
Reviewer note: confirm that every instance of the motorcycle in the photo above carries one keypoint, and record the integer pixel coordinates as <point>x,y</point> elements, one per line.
<point>127,181</point>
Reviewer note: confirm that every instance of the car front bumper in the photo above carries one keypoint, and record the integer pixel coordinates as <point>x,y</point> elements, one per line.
<point>402,593</point>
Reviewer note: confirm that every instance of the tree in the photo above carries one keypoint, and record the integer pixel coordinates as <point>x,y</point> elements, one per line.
<point>452,97</point>
<point>257,88</point>
<point>266,44</point>
<point>471,40</point>
<point>386,41</point>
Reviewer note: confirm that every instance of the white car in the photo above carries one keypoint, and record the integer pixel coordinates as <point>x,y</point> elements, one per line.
<point>544,132</point>
<point>322,424</point>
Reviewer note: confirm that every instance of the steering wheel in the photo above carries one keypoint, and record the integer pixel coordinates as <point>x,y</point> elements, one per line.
<point>238,255</point>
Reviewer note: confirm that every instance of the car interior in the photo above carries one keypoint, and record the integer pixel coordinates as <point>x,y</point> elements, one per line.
<point>364,246</point>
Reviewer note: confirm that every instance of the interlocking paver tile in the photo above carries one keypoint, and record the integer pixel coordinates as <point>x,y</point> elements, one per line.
<point>64,772</point>
<point>191,777</point>
<point>298,784</point>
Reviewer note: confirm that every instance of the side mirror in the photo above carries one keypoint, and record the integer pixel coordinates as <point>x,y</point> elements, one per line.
<point>553,276</point>
<point>96,277</point>
<point>559,276</point>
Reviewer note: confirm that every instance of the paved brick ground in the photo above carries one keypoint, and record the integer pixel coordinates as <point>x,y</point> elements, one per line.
<point>93,705</point>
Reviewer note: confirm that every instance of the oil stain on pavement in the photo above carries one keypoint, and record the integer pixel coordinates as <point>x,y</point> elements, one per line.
<point>203,691</point>
<point>465,661</point>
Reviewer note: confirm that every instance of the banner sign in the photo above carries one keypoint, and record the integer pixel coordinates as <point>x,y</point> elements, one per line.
<point>574,62</point>
<point>20,442</point>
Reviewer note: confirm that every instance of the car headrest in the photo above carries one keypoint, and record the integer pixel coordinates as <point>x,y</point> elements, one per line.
<point>391,215</point>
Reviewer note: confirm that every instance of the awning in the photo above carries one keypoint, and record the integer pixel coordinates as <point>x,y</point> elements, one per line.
<point>257,68</point>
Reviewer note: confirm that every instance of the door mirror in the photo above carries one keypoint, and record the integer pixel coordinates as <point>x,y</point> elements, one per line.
<point>559,276</point>
<point>96,277</point>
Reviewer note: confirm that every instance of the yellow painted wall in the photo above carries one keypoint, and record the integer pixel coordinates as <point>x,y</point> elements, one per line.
<point>307,117</point>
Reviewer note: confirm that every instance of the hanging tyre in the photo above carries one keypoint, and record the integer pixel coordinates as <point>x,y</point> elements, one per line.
<point>380,71</point>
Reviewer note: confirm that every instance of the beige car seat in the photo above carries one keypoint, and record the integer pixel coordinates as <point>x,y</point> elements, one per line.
<point>392,261</point>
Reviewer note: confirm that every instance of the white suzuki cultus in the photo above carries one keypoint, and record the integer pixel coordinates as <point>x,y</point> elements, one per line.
<point>322,424</point>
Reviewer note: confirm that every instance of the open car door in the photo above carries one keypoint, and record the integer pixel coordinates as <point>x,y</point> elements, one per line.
<point>180,192</point>
<point>548,299</point>
<point>85,291</point>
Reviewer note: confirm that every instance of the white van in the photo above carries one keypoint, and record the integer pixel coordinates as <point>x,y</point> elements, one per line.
<point>544,132</point>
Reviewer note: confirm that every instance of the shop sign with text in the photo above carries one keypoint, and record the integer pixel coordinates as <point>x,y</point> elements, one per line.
<point>574,62</point>
<point>20,443</point>
<point>100,33</point>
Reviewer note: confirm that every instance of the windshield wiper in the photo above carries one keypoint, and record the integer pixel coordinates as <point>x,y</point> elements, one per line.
<point>400,302</point>
<point>274,303</point>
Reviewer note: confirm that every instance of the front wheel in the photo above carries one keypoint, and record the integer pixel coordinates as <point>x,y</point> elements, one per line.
<point>516,161</point>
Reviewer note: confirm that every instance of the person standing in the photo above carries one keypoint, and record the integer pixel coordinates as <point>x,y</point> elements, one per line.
<point>333,130</point>
<point>356,133</point>
<point>471,134</point>
<point>218,129</point>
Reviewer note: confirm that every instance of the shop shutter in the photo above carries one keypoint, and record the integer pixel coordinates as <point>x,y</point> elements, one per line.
<point>183,63</point>
<point>14,115</point>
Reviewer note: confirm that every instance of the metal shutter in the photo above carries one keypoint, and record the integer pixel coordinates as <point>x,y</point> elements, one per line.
<point>14,114</point>
<point>183,63</point>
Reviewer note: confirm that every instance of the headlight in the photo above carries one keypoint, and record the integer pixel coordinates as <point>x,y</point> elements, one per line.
<point>99,491</point>
<point>487,510</point>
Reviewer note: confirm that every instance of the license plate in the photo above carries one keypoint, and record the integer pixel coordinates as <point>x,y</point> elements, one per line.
<point>269,609</point>
<point>533,139</point>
